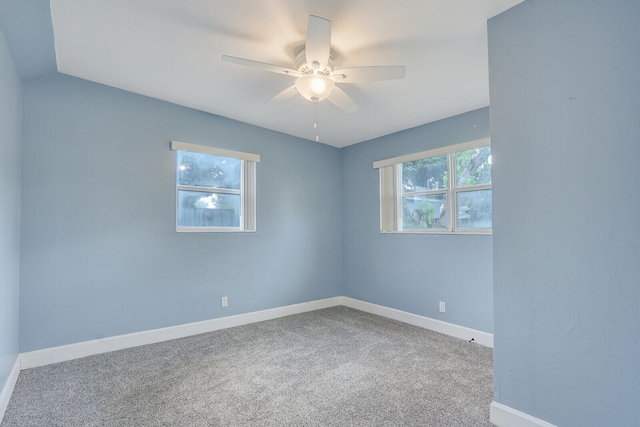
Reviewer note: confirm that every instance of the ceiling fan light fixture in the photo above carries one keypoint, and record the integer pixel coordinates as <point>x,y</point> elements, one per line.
<point>316,78</point>
<point>315,87</point>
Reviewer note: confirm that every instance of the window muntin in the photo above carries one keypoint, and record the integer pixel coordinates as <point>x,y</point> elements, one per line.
<point>422,188</point>
<point>215,189</point>
<point>474,208</point>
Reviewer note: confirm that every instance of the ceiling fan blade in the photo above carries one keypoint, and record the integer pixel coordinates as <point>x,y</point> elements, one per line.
<point>288,93</point>
<point>368,74</point>
<point>318,46</point>
<point>261,66</point>
<point>340,99</point>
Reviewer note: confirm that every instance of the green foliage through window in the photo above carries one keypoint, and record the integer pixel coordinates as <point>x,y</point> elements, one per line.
<point>424,174</point>
<point>427,196</point>
<point>473,167</point>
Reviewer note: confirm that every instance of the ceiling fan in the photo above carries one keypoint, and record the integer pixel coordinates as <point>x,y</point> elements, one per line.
<point>315,76</point>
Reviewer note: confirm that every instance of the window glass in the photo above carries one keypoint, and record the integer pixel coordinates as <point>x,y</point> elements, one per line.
<point>424,174</point>
<point>427,211</point>
<point>201,209</point>
<point>215,189</point>
<point>473,167</point>
<point>205,170</point>
<point>443,190</point>
<point>474,209</point>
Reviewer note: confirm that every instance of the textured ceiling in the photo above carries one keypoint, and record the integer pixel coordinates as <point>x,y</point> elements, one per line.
<point>171,50</point>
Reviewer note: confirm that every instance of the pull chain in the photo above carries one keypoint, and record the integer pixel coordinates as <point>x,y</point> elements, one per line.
<point>315,120</point>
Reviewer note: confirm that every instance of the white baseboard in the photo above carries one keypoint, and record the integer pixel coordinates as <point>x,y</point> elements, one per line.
<point>482,338</point>
<point>505,416</point>
<point>7,389</point>
<point>63,353</point>
<point>51,355</point>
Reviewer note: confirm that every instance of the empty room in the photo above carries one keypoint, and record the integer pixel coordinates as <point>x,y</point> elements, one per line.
<point>246,213</point>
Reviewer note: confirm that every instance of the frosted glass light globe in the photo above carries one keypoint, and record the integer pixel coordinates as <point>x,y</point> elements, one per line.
<point>315,87</point>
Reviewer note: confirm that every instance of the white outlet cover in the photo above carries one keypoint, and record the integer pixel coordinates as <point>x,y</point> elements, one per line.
<point>442,307</point>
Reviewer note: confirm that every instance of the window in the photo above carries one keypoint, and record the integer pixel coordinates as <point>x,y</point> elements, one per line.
<point>215,189</point>
<point>419,191</point>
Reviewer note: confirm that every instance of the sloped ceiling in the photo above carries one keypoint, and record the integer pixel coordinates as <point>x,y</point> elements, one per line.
<point>171,50</point>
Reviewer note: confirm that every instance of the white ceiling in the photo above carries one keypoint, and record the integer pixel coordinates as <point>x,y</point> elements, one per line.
<point>171,49</point>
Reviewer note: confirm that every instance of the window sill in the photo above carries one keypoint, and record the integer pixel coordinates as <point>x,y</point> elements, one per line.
<point>211,230</point>
<point>442,232</point>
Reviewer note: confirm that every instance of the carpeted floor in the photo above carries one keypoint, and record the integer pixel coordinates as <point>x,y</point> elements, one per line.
<point>333,367</point>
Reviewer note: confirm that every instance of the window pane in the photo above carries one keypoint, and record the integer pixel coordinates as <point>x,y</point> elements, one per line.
<point>208,209</point>
<point>474,209</point>
<point>424,211</point>
<point>473,167</point>
<point>424,174</point>
<point>205,170</point>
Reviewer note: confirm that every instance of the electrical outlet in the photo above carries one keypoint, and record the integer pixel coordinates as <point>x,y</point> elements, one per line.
<point>442,307</point>
<point>224,301</point>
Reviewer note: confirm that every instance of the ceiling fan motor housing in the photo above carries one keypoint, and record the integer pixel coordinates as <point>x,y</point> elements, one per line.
<point>305,68</point>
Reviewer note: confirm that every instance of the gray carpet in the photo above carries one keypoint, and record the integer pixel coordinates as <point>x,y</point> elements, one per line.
<point>333,367</point>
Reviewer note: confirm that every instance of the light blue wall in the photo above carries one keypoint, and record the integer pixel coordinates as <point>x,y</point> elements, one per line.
<point>10,144</point>
<point>407,271</point>
<point>27,24</point>
<point>100,254</point>
<point>565,127</point>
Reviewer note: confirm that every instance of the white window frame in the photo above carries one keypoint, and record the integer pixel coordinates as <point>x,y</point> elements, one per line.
<point>390,171</point>
<point>247,189</point>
